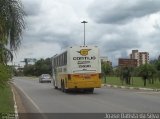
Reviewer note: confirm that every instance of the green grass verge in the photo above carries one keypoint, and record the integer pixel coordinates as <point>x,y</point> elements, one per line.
<point>135,82</point>
<point>6,100</point>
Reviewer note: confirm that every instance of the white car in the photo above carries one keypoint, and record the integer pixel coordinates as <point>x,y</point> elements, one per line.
<point>45,78</point>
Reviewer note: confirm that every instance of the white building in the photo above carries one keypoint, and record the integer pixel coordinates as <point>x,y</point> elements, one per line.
<point>142,57</point>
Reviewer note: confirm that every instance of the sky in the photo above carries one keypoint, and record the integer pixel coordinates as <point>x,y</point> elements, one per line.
<point>116,26</point>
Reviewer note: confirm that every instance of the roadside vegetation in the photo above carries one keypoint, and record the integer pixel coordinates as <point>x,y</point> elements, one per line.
<point>11,27</point>
<point>135,82</point>
<point>42,66</point>
<point>6,100</point>
<point>147,75</point>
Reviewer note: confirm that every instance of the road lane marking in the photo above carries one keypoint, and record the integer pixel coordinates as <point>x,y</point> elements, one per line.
<point>15,106</point>
<point>30,99</point>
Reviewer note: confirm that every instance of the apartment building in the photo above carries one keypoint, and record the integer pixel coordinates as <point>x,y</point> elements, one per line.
<point>142,57</point>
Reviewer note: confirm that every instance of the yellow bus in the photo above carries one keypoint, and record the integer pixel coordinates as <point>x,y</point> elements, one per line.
<point>77,68</point>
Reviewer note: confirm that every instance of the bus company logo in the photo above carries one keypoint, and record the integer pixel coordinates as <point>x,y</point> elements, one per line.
<point>84,52</point>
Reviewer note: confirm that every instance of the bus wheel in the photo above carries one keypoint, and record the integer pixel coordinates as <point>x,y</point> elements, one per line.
<point>55,87</point>
<point>91,90</point>
<point>62,86</point>
<point>66,90</point>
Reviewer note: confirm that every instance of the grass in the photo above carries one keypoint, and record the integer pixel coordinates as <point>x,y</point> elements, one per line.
<point>6,100</point>
<point>135,82</point>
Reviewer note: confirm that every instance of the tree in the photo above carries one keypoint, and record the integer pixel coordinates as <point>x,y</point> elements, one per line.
<point>147,72</point>
<point>11,26</point>
<point>157,65</point>
<point>42,66</point>
<point>106,69</point>
<point>117,71</point>
<point>5,54</point>
<point>126,75</point>
<point>29,70</point>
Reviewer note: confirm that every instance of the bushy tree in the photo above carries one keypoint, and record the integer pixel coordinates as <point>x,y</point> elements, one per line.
<point>117,71</point>
<point>5,74</point>
<point>126,75</point>
<point>106,69</point>
<point>147,72</point>
<point>42,66</point>
<point>29,70</point>
<point>157,65</point>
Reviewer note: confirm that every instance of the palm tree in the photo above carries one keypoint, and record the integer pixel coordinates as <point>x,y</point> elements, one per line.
<point>11,27</point>
<point>5,54</point>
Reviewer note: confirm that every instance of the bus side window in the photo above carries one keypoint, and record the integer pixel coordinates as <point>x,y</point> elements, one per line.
<point>65,58</point>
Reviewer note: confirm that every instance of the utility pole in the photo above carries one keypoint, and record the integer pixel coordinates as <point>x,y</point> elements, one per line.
<point>84,22</point>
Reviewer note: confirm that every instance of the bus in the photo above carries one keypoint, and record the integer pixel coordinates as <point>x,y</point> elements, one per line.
<point>77,68</point>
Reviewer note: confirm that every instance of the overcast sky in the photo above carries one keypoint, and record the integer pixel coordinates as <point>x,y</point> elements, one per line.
<point>115,26</point>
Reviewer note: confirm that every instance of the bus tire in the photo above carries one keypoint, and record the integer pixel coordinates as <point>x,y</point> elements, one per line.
<point>62,86</point>
<point>55,87</point>
<point>91,90</point>
<point>66,90</point>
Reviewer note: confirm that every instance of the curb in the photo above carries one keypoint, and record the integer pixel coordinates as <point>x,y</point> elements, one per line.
<point>131,88</point>
<point>15,105</point>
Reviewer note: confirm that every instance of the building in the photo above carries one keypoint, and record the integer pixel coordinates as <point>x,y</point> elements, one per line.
<point>127,62</point>
<point>142,57</point>
<point>134,55</point>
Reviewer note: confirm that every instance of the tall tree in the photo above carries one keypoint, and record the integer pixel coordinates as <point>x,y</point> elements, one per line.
<point>106,69</point>
<point>157,64</point>
<point>126,75</point>
<point>147,72</point>
<point>5,54</point>
<point>11,27</point>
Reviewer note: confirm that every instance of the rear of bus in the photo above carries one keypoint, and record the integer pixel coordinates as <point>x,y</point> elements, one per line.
<point>84,68</point>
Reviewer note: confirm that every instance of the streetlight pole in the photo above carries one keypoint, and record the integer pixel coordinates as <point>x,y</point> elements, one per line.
<point>84,22</point>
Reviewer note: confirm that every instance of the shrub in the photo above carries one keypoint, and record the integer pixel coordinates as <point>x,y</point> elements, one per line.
<point>5,74</point>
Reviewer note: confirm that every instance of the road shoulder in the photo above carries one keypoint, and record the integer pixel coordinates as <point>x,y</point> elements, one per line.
<point>26,109</point>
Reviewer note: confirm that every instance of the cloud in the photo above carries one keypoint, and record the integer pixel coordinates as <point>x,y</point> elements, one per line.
<point>121,11</point>
<point>119,42</point>
<point>115,26</point>
<point>32,8</point>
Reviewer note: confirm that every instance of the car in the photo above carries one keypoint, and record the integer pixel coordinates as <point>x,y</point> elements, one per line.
<point>45,78</point>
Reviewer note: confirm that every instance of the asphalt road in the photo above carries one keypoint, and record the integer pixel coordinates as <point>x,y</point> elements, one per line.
<point>46,99</point>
